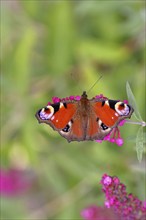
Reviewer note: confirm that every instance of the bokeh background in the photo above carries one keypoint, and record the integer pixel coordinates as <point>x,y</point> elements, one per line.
<point>60,48</point>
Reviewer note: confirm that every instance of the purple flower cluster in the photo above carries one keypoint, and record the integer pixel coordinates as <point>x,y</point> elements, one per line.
<point>73,98</point>
<point>94,212</point>
<point>114,136</point>
<point>101,96</point>
<point>128,206</point>
<point>118,205</point>
<point>70,98</point>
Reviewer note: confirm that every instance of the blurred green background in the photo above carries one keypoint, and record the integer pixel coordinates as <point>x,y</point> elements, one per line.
<point>60,48</point>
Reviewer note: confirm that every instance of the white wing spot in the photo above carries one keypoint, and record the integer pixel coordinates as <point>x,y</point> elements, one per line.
<point>107,102</point>
<point>52,118</point>
<point>61,105</point>
<point>124,111</point>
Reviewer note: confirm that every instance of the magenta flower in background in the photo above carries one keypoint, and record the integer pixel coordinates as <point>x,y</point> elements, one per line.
<point>118,204</point>
<point>126,205</point>
<point>13,182</point>
<point>94,212</point>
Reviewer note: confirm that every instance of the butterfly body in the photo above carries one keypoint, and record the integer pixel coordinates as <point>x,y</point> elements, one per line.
<point>84,119</point>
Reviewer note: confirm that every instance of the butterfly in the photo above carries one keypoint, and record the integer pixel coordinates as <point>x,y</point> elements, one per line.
<point>84,119</point>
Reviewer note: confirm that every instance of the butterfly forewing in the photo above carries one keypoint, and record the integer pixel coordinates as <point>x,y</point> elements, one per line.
<point>62,114</point>
<point>106,114</point>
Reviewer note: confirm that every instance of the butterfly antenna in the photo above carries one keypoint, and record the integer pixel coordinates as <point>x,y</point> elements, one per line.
<point>95,83</point>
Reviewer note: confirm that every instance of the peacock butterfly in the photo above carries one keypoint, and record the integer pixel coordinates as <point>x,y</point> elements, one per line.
<point>80,119</point>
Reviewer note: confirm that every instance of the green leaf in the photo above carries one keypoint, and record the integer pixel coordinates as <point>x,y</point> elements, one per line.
<point>132,102</point>
<point>139,143</point>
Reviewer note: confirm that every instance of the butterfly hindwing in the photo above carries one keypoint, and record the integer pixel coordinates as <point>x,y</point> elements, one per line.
<point>74,130</point>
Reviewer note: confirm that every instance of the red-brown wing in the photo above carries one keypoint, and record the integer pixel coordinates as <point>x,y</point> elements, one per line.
<point>75,132</point>
<point>63,117</point>
<point>106,114</point>
<point>95,125</point>
<point>87,125</point>
<point>111,112</point>
<point>60,117</point>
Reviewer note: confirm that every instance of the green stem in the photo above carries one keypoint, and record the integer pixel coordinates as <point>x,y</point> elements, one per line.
<point>142,123</point>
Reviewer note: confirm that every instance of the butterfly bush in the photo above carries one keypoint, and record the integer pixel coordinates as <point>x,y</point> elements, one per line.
<point>114,136</point>
<point>94,212</point>
<point>118,203</point>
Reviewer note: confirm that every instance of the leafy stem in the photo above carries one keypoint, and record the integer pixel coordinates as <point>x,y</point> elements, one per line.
<point>142,123</point>
<point>140,134</point>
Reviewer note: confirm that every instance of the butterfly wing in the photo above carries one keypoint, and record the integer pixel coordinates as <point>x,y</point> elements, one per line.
<point>111,112</point>
<point>95,129</point>
<point>56,115</point>
<point>74,130</point>
<point>62,117</point>
<point>104,116</point>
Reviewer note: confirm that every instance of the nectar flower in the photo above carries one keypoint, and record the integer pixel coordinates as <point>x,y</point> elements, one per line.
<point>107,181</point>
<point>56,99</point>
<point>101,96</point>
<point>122,123</point>
<point>118,204</point>
<point>113,137</point>
<point>94,212</point>
<point>126,205</point>
<point>77,97</point>
<point>70,98</point>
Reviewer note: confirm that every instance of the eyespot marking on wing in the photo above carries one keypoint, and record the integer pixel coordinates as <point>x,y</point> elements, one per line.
<point>46,113</point>
<point>67,128</point>
<point>103,126</point>
<point>122,108</point>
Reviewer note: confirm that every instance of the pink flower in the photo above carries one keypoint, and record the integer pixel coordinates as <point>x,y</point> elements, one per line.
<point>118,204</point>
<point>113,137</point>
<point>101,96</point>
<point>119,141</point>
<point>13,182</point>
<point>122,123</point>
<point>70,98</point>
<point>107,180</point>
<point>77,98</point>
<point>126,205</point>
<point>94,212</point>
<point>56,99</point>
<point>125,101</point>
